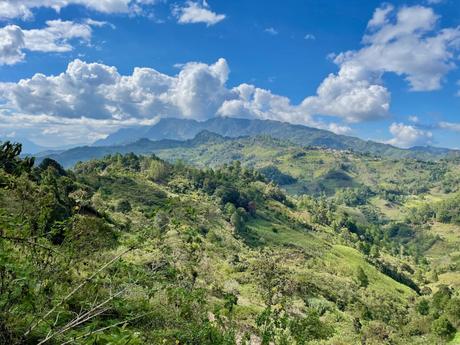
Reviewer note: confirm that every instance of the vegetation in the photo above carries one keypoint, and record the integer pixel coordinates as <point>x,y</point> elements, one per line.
<point>284,245</point>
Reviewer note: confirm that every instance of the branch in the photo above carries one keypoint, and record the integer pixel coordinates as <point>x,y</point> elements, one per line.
<point>28,241</point>
<point>86,281</point>
<point>106,328</point>
<point>90,314</point>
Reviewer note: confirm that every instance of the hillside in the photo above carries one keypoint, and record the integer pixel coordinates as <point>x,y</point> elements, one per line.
<point>132,249</point>
<point>183,129</point>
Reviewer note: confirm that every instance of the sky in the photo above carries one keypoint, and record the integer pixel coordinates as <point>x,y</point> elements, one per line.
<point>74,71</point>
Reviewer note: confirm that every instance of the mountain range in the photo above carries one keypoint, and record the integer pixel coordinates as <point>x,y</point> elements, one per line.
<point>183,129</point>
<point>173,132</point>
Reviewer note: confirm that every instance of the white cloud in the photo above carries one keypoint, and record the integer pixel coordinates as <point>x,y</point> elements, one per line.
<point>194,12</point>
<point>414,119</point>
<point>10,9</point>
<point>352,95</point>
<point>57,131</point>
<point>404,43</point>
<point>249,101</point>
<point>408,136</point>
<point>380,16</point>
<point>338,129</point>
<point>310,37</point>
<point>272,31</point>
<point>11,45</point>
<point>55,37</point>
<point>452,126</point>
<point>99,91</point>
<point>408,45</point>
<point>99,23</point>
<point>90,93</point>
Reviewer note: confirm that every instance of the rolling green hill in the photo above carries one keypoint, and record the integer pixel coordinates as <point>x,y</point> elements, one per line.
<point>131,249</point>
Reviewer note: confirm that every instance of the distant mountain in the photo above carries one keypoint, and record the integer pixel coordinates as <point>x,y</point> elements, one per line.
<point>28,146</point>
<point>210,149</point>
<point>31,148</point>
<point>144,146</point>
<point>184,129</point>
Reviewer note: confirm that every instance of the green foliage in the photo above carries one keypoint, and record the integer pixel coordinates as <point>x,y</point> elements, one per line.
<point>310,327</point>
<point>123,206</point>
<point>353,196</point>
<point>443,328</point>
<point>423,307</point>
<point>448,211</point>
<point>10,161</point>
<point>362,278</point>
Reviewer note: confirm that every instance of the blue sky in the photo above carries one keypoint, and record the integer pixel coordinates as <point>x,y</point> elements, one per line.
<point>381,71</point>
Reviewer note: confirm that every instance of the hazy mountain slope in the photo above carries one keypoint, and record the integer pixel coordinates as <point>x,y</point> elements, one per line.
<point>28,146</point>
<point>182,129</point>
<point>70,157</point>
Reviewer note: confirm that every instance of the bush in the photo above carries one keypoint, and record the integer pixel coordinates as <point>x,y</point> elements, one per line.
<point>363,280</point>
<point>123,206</point>
<point>423,307</point>
<point>443,328</point>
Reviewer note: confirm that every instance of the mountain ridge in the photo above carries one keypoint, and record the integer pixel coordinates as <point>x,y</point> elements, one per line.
<point>184,129</point>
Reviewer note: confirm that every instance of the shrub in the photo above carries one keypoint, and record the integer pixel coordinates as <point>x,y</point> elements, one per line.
<point>442,327</point>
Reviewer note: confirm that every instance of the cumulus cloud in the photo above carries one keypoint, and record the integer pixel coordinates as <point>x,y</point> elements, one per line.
<point>11,45</point>
<point>407,44</point>
<point>195,12</point>
<point>90,93</point>
<point>23,8</point>
<point>98,91</point>
<point>310,37</point>
<point>403,42</point>
<point>352,94</point>
<point>55,37</point>
<point>407,136</point>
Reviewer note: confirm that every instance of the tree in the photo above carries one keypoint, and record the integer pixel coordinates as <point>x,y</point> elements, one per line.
<point>453,311</point>
<point>363,280</point>
<point>10,161</point>
<point>309,328</point>
<point>423,307</point>
<point>229,209</point>
<point>237,221</point>
<point>157,170</point>
<point>51,163</point>
<point>374,253</point>
<point>441,297</point>
<point>442,327</point>
<point>123,206</point>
